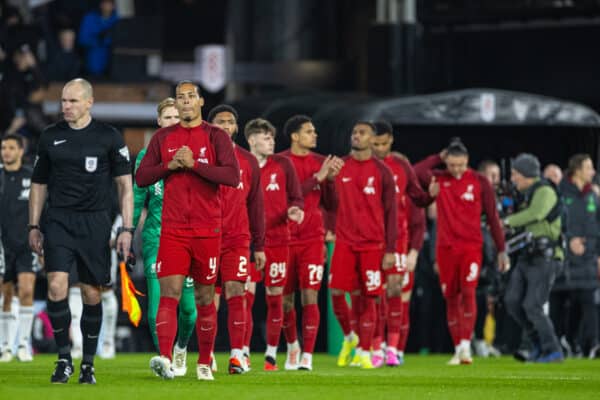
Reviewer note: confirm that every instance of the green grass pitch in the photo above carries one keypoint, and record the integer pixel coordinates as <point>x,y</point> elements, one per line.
<point>422,377</point>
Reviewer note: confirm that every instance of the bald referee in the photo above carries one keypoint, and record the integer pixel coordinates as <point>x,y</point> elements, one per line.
<point>76,162</point>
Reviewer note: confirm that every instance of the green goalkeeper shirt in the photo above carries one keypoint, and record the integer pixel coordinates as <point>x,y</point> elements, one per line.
<point>154,193</point>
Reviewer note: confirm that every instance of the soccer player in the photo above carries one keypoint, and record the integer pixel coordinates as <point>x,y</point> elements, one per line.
<point>193,158</point>
<point>283,202</point>
<point>167,116</point>
<point>14,202</point>
<point>307,253</point>
<point>243,225</point>
<point>464,195</point>
<point>407,187</point>
<point>366,234</point>
<point>76,162</point>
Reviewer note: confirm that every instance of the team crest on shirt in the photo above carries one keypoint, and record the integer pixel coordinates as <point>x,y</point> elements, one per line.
<point>468,195</point>
<point>273,185</point>
<point>240,185</point>
<point>202,156</point>
<point>91,164</point>
<point>370,188</point>
<point>26,182</point>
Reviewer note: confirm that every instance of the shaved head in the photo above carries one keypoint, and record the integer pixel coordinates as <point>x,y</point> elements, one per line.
<point>88,92</point>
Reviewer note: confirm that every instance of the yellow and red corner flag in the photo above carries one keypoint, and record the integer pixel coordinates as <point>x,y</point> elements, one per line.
<point>130,303</point>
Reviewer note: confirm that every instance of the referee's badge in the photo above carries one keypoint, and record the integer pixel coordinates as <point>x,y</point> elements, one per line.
<point>91,163</point>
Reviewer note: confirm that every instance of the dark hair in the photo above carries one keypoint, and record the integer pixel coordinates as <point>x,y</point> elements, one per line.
<point>457,148</point>
<point>368,123</point>
<point>576,162</point>
<point>258,125</point>
<point>219,109</point>
<point>13,136</point>
<point>294,124</point>
<point>188,82</point>
<point>485,164</point>
<point>383,127</point>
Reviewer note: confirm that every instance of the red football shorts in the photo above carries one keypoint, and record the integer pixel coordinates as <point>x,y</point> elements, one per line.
<point>234,264</point>
<point>408,282</point>
<point>459,267</point>
<point>305,269</point>
<point>399,267</point>
<point>356,270</point>
<point>190,256</point>
<point>275,273</point>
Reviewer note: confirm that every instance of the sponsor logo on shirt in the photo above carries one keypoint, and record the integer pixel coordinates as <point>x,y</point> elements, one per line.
<point>124,152</point>
<point>370,189</point>
<point>468,195</point>
<point>91,164</point>
<point>273,185</point>
<point>26,182</point>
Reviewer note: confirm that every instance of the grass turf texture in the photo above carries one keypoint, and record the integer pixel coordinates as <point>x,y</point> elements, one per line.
<point>422,377</point>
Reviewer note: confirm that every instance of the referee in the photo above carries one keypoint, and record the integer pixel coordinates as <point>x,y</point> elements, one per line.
<point>76,161</point>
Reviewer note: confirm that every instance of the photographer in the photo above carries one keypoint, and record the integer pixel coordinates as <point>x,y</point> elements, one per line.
<point>530,283</point>
<point>576,285</point>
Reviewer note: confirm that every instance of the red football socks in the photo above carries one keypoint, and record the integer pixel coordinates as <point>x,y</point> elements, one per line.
<point>274,319</point>
<point>166,325</point>
<point>236,321</point>
<point>311,317</point>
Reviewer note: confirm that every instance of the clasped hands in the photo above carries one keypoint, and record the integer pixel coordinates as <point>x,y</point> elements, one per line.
<point>183,158</point>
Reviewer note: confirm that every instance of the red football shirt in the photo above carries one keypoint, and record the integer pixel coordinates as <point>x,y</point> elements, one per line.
<point>243,208</point>
<point>407,186</point>
<point>366,209</point>
<point>460,204</point>
<point>314,194</point>
<point>281,190</point>
<point>191,202</point>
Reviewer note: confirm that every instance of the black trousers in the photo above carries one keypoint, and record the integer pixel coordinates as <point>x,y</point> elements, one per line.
<point>527,291</point>
<point>574,315</point>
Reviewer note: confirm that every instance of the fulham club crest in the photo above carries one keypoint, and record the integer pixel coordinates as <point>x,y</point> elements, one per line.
<point>91,164</point>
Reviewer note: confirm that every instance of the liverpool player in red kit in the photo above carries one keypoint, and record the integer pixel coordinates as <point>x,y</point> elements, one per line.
<point>283,202</point>
<point>464,195</point>
<point>193,158</point>
<point>243,224</point>
<point>366,233</point>
<point>407,187</point>
<point>307,253</point>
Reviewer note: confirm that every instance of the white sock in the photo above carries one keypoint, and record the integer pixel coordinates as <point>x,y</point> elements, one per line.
<point>457,349</point>
<point>76,306</point>
<point>400,354</point>
<point>307,357</point>
<point>25,324</point>
<point>365,353</point>
<point>4,319</point>
<point>392,349</point>
<point>293,346</point>
<point>378,353</point>
<point>237,353</point>
<point>246,350</point>
<point>110,312</point>
<point>465,344</point>
<point>271,351</point>
<point>13,322</point>
<point>185,348</point>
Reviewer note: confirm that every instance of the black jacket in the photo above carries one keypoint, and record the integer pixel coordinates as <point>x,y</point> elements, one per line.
<point>582,220</point>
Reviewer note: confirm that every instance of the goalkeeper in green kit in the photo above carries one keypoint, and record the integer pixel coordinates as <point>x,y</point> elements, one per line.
<point>153,195</point>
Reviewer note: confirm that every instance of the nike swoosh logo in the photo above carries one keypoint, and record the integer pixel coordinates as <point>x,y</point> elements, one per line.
<point>203,329</point>
<point>274,281</point>
<point>209,277</point>
<point>277,320</point>
<point>160,323</point>
<point>171,150</point>
<point>240,275</point>
<point>346,180</point>
<point>57,142</point>
<point>395,314</point>
<point>238,322</point>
